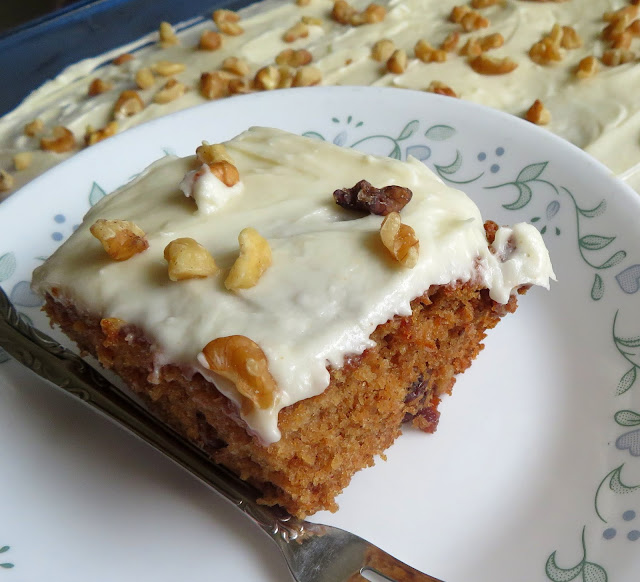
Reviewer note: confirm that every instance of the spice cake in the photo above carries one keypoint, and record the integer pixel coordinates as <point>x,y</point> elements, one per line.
<point>566,65</point>
<point>286,318</point>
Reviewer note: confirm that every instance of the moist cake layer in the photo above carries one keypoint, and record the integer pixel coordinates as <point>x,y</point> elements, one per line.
<point>331,283</point>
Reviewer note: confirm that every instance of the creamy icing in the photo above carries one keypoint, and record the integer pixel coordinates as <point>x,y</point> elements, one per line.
<point>600,114</point>
<point>331,282</point>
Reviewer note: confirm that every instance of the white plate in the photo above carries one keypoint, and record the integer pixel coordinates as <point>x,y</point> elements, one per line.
<point>534,473</point>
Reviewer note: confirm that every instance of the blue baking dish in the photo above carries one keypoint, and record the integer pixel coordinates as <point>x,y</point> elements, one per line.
<point>37,51</point>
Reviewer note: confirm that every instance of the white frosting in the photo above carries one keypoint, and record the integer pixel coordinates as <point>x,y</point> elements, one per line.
<point>207,190</point>
<point>331,282</point>
<point>600,114</point>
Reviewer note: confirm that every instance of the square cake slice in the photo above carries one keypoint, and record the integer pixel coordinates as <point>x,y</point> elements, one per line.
<point>287,304</point>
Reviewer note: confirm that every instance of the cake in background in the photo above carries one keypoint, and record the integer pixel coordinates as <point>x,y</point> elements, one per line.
<point>566,65</point>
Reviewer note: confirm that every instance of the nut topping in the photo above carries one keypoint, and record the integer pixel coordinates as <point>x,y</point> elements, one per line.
<point>538,113</point>
<point>427,54</point>
<point>227,22</point>
<point>294,58</point>
<point>167,35</point>
<point>129,103</point>
<point>254,259</point>
<point>34,127</point>
<point>587,67</point>
<point>397,62</point>
<point>210,40</point>
<point>267,78</point>
<point>98,86</point>
<point>235,66</point>
<point>226,172</point>
<point>167,68</point>
<point>441,89</point>
<point>6,181</point>
<point>242,361</point>
<point>144,78</point>
<point>213,85</point>
<point>366,198</point>
<point>298,30</point>
<point>400,240</point>
<point>382,50</point>
<point>92,136</point>
<point>61,140</point>
<point>121,239</point>
<point>170,92</point>
<point>208,153</point>
<point>22,160</point>
<point>188,259</point>
<point>485,65</point>
<point>123,58</point>
<point>307,76</point>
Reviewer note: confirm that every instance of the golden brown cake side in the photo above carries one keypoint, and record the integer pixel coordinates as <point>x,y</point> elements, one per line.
<point>327,438</point>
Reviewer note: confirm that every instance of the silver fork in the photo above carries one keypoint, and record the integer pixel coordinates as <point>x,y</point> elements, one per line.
<point>313,552</point>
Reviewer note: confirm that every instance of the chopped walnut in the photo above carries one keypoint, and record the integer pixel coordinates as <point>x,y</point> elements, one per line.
<point>98,86</point>
<point>634,28</point>
<point>6,181</point>
<point>121,239</point>
<point>307,77</point>
<point>623,41</point>
<point>626,13</point>
<point>239,86</point>
<point>441,89</point>
<point>538,113</point>
<point>458,12</point>
<point>545,52</point>
<point>227,22</point>
<point>397,62</point>
<point>236,66</point>
<point>267,78</point>
<point>400,240</point>
<point>473,21</point>
<point>242,361</point>
<point>61,140</point>
<point>129,103</point>
<point>213,85</point>
<point>587,67</point>
<point>570,38</point>
<point>188,259</point>
<point>342,12</point>
<point>303,2</point>
<point>491,41</point>
<point>167,35</point>
<point>210,40</point>
<point>294,58</point>
<point>485,65</point>
<point>94,136</point>
<point>167,68</point>
<point>484,3</point>
<point>123,58</point>
<point>298,30</point>
<point>287,75</point>
<point>615,30</point>
<point>254,259</point>
<point>208,153</point>
<point>427,54</point>
<point>472,48</point>
<point>382,50</point>
<point>225,172</point>
<point>451,41</point>
<point>144,78</point>
<point>370,15</point>
<point>171,91</point>
<point>367,198</point>
<point>616,57</point>
<point>34,127</point>
<point>22,160</point>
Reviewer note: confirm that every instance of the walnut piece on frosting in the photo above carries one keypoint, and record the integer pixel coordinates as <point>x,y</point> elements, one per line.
<point>61,140</point>
<point>34,127</point>
<point>121,239</point>
<point>538,113</point>
<point>6,181</point>
<point>254,259</point>
<point>188,259</point>
<point>227,22</point>
<point>440,88</point>
<point>22,160</point>
<point>210,40</point>
<point>397,62</point>
<point>298,30</point>
<point>93,136</point>
<point>98,86</point>
<point>400,240</point>
<point>382,50</point>
<point>587,67</point>
<point>213,85</point>
<point>129,103</point>
<point>167,35</point>
<point>367,198</point>
<point>242,361</point>
<point>172,90</point>
<point>485,65</point>
<point>144,78</point>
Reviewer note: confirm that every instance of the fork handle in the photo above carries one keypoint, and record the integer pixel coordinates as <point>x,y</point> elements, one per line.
<point>60,366</point>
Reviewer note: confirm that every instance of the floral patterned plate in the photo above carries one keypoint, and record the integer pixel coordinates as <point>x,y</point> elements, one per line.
<point>534,473</point>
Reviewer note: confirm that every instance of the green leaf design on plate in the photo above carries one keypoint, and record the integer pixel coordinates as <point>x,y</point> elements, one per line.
<point>593,212</point>
<point>96,194</point>
<point>531,172</point>
<point>613,260</point>
<point>617,486</point>
<point>594,573</point>
<point>631,342</point>
<point>6,565</point>
<point>440,132</point>
<point>524,197</point>
<point>314,135</point>
<point>594,242</point>
<point>627,418</point>
<point>597,290</point>
<point>409,130</point>
<point>453,167</point>
<point>4,549</point>
<point>396,153</point>
<point>7,266</point>
<point>557,574</point>
<point>626,381</point>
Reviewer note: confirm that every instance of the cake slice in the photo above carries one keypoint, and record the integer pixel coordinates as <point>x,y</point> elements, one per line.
<point>287,304</point>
